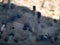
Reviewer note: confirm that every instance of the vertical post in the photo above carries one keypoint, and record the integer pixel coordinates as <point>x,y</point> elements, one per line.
<point>9,4</point>
<point>30,36</point>
<point>10,39</point>
<point>38,16</point>
<point>34,9</point>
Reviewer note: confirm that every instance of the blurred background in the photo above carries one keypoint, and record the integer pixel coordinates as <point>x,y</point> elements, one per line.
<point>30,22</point>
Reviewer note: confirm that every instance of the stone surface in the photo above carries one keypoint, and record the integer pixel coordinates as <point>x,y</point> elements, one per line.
<point>47,26</point>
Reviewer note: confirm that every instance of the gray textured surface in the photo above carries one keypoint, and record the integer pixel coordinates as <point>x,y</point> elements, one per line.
<point>25,37</point>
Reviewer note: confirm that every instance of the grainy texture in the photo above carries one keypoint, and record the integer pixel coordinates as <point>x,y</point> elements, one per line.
<point>48,8</point>
<point>23,27</point>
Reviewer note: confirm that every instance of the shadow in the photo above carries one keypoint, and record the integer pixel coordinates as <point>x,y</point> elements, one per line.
<point>45,30</point>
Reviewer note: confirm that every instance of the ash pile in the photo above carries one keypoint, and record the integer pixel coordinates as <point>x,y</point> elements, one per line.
<point>20,25</point>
